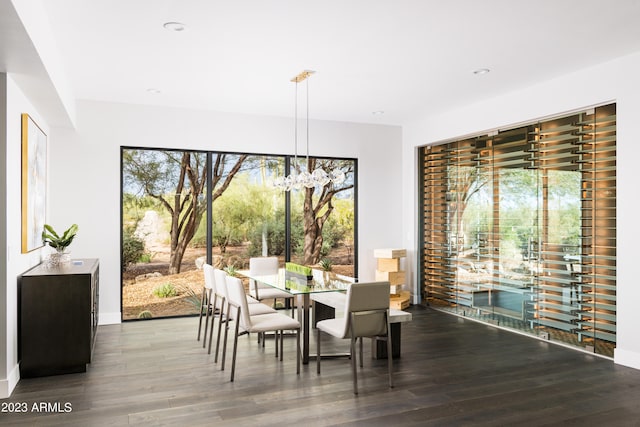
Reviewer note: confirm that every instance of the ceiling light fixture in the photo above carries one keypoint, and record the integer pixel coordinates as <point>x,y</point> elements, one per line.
<point>153,90</point>
<point>481,71</point>
<point>174,26</point>
<point>319,177</point>
<point>377,113</point>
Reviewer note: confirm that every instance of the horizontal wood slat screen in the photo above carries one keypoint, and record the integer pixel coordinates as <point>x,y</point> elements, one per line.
<point>518,228</point>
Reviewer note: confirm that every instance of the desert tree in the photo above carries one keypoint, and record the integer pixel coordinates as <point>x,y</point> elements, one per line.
<point>317,208</point>
<point>177,179</point>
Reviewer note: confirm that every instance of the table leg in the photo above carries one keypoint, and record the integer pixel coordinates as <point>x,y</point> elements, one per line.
<point>304,312</point>
<point>379,348</point>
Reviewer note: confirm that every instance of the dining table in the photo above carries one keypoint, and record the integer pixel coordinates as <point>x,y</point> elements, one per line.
<point>302,287</point>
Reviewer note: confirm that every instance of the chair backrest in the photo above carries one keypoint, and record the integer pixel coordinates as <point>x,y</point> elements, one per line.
<point>262,266</point>
<point>237,296</point>
<point>209,280</point>
<point>366,309</point>
<point>220,277</point>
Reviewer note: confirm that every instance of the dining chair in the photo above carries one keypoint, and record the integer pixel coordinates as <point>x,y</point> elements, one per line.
<point>246,323</point>
<point>205,302</point>
<point>266,266</point>
<point>218,304</point>
<point>366,315</point>
<point>222,294</point>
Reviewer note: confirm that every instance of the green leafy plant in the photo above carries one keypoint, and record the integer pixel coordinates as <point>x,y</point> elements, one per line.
<point>132,248</point>
<point>57,242</point>
<point>165,291</point>
<point>191,297</point>
<point>325,264</point>
<point>231,270</point>
<point>145,257</point>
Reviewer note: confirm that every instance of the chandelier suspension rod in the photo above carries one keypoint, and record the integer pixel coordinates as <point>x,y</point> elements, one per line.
<point>295,129</point>
<point>308,123</point>
<point>308,179</point>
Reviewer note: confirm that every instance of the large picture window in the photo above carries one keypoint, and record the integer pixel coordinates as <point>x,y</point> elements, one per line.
<point>519,228</point>
<point>181,209</point>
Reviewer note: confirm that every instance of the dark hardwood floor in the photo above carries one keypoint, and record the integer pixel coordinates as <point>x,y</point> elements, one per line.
<point>453,372</point>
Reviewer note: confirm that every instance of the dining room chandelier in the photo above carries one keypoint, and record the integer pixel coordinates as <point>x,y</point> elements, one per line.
<point>298,179</point>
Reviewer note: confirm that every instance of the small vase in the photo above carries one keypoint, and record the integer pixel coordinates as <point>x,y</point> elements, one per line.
<point>58,259</point>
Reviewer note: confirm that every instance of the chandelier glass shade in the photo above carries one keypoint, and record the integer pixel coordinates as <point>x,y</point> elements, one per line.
<point>298,178</point>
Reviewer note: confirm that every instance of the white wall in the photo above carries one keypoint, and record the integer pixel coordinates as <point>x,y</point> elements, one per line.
<point>16,263</point>
<point>613,81</point>
<point>85,172</point>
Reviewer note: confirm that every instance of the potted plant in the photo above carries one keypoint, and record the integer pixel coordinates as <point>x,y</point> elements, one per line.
<point>59,243</point>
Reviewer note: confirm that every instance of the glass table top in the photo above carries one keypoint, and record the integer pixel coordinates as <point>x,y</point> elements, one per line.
<point>322,281</point>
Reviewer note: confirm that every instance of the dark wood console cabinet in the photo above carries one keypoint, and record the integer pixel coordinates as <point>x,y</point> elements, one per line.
<point>58,318</point>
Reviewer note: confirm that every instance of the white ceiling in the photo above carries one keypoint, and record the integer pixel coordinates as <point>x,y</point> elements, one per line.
<point>404,57</point>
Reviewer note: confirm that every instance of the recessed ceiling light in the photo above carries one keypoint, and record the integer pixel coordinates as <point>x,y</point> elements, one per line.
<point>174,26</point>
<point>481,71</point>
<point>377,113</point>
<point>153,90</point>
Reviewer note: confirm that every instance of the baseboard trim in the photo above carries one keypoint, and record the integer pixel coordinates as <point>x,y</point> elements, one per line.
<point>9,384</point>
<point>626,358</point>
<point>109,318</point>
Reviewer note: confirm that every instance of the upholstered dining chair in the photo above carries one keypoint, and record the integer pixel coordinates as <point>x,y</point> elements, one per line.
<point>266,266</point>
<point>246,323</point>
<point>366,315</point>
<point>222,293</point>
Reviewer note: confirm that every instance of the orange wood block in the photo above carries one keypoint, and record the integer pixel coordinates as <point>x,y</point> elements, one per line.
<point>389,264</point>
<point>395,289</point>
<point>393,277</point>
<point>401,301</point>
<point>389,253</point>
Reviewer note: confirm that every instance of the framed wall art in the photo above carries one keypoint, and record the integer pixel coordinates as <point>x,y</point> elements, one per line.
<point>34,183</point>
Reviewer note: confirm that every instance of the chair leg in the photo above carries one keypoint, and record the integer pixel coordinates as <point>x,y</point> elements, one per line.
<point>213,317</point>
<point>353,365</point>
<point>224,343</point>
<point>275,336</point>
<point>361,357</point>
<point>298,352</point>
<point>281,344</point>
<point>235,346</point>
<point>200,320</point>
<point>221,320</point>
<point>206,322</point>
<point>318,353</point>
<point>389,353</point>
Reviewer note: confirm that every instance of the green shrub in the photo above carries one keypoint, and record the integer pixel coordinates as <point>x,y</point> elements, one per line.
<point>165,291</point>
<point>191,297</point>
<point>132,248</point>
<point>276,235</point>
<point>326,264</point>
<point>145,257</point>
<point>231,270</point>
<point>146,314</point>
